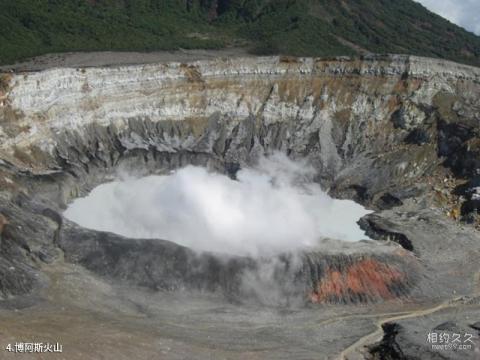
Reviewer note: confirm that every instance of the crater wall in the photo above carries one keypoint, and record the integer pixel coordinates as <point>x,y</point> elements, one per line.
<point>383,131</point>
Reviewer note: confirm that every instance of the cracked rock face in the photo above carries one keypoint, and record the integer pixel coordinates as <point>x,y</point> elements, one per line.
<point>397,134</point>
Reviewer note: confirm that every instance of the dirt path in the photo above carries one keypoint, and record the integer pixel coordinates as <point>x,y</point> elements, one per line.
<point>353,353</point>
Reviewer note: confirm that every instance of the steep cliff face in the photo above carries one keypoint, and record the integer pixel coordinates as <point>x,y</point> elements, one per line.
<point>385,131</point>
<point>344,113</point>
<point>339,98</point>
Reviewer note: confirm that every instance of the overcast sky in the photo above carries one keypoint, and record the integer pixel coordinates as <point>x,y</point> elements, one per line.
<point>465,13</point>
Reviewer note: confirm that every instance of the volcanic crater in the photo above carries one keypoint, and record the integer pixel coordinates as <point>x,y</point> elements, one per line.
<point>396,134</point>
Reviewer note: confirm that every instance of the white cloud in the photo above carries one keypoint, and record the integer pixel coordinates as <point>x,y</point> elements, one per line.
<point>465,13</point>
<point>271,208</point>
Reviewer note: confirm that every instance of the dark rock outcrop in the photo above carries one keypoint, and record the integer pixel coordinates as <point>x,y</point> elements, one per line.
<point>378,228</point>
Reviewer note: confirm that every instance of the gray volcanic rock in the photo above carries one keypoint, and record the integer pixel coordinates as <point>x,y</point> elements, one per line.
<point>298,278</point>
<point>398,134</point>
<point>476,326</point>
<point>408,340</point>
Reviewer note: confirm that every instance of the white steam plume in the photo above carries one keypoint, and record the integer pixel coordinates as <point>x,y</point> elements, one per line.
<point>271,208</point>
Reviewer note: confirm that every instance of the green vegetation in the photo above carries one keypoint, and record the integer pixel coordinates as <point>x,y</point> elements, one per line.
<point>292,27</point>
<point>33,27</point>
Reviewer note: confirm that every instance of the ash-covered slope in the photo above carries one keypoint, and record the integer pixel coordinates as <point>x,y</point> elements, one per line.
<point>398,134</point>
